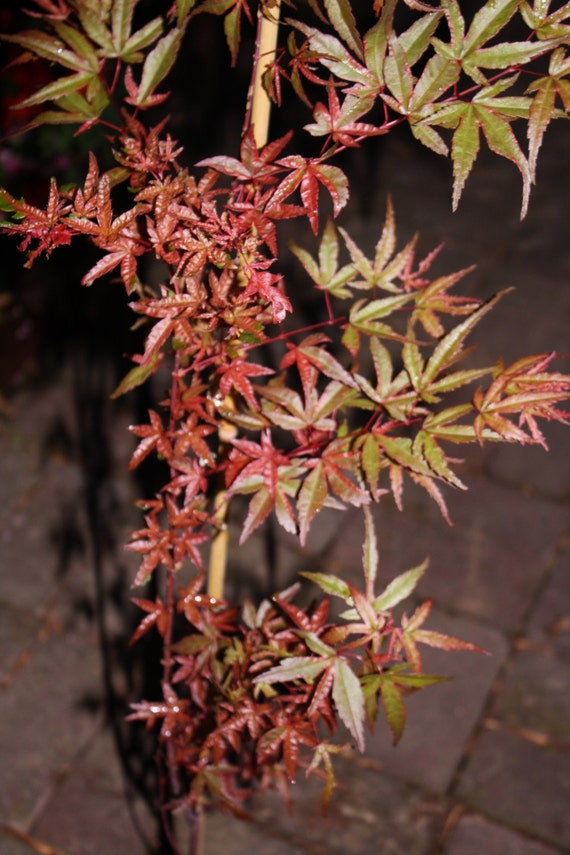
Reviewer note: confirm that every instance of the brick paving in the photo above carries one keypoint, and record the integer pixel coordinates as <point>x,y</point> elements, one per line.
<point>484,766</point>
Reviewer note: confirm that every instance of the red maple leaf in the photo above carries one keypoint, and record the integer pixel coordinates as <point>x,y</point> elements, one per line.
<point>306,174</point>
<point>152,435</point>
<point>338,123</point>
<point>250,458</point>
<point>236,375</point>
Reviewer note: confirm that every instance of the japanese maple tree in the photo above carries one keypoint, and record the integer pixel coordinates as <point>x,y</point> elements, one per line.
<point>254,692</point>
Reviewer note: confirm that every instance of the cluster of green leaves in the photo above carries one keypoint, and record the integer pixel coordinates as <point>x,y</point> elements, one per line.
<point>242,690</point>
<point>86,37</point>
<point>468,80</point>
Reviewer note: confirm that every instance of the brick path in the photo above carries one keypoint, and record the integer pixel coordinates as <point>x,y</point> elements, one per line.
<point>484,766</point>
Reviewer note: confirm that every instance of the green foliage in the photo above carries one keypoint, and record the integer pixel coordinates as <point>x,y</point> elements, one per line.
<point>245,691</point>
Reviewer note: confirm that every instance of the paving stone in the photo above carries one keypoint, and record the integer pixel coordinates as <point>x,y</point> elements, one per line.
<point>233,837</point>
<point>536,471</point>
<point>19,468</point>
<point>370,812</point>
<point>535,696</point>
<point>19,632</point>
<point>475,835</point>
<point>30,544</point>
<point>45,719</point>
<point>441,718</point>
<point>549,623</point>
<point>88,813</point>
<point>488,565</point>
<point>516,782</point>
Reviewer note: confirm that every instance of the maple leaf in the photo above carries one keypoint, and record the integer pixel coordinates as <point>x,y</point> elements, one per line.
<point>236,375</point>
<point>302,63</point>
<point>191,435</point>
<point>542,110</point>
<point>192,479</point>
<point>393,394</point>
<point>487,22</point>
<point>339,680</point>
<point>524,389</point>
<point>261,284</point>
<point>174,311</point>
<point>385,268</point>
<point>333,55</point>
<point>262,503</point>
<point>393,685</point>
<point>339,123</point>
<point>233,11</point>
<point>256,165</point>
<point>156,66</point>
<point>144,151</point>
<point>187,530</point>
<point>434,299</point>
<point>322,755</point>
<point>326,273</point>
<point>305,366</point>
<point>157,614</point>
<point>285,740</point>
<point>152,542</point>
<point>412,635</point>
<point>152,435</point>
<point>309,421</point>
<point>48,227</point>
<point>306,174</point>
<point>448,350</point>
<point>328,476</point>
<point>492,115</point>
<point>133,93</point>
<point>251,458</point>
<point>40,44</point>
<point>118,236</point>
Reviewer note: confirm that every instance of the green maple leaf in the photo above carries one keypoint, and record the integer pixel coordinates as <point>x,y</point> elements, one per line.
<point>157,65</point>
<point>400,588</point>
<point>492,116</point>
<point>333,55</point>
<point>505,55</point>
<point>325,271</point>
<point>349,700</point>
<point>542,110</point>
<point>342,18</point>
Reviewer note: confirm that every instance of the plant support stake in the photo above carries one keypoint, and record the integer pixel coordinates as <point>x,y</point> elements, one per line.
<point>258,112</point>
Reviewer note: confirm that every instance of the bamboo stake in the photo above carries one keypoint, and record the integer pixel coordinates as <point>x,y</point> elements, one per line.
<point>258,113</point>
<point>267,48</point>
<point>219,549</point>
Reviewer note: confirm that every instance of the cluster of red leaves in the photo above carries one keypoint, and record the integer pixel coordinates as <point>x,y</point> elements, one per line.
<point>253,691</point>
